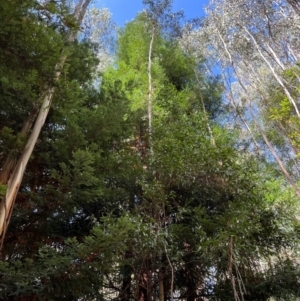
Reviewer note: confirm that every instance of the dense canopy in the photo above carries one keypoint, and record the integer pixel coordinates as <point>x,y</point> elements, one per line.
<point>155,162</point>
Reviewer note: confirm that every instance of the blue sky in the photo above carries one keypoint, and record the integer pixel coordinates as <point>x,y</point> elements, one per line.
<point>126,10</point>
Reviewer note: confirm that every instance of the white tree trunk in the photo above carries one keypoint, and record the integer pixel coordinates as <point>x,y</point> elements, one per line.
<point>150,90</point>
<point>14,182</point>
<point>280,82</point>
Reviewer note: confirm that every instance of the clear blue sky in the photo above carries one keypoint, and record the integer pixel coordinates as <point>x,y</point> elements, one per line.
<point>126,10</point>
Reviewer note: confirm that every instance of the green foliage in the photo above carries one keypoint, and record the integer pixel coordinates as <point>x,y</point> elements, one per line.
<point>282,112</point>
<point>2,190</point>
<point>66,272</point>
<point>96,210</point>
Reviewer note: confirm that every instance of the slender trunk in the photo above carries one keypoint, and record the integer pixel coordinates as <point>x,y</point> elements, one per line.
<point>150,90</point>
<point>161,286</point>
<point>280,82</point>
<point>295,56</point>
<point>226,48</point>
<point>14,182</point>
<point>231,94</point>
<point>278,160</point>
<point>7,168</point>
<point>150,284</point>
<point>231,276</point>
<point>143,286</point>
<point>126,285</point>
<point>276,58</point>
<point>278,122</point>
<point>172,274</point>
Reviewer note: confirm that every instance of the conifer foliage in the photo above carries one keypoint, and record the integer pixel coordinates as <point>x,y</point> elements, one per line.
<point>135,189</point>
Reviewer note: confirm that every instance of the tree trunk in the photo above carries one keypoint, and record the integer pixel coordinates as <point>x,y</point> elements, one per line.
<point>278,160</point>
<point>143,286</point>
<point>280,82</point>
<point>14,182</point>
<point>150,90</point>
<point>161,286</point>
<point>126,272</point>
<point>231,276</point>
<point>126,285</point>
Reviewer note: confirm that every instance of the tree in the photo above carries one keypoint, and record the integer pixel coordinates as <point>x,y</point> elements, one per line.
<point>196,198</point>
<point>252,53</point>
<point>12,172</point>
<point>75,179</point>
<point>99,217</point>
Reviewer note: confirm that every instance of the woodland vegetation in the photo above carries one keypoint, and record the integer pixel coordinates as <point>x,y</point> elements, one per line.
<point>159,161</point>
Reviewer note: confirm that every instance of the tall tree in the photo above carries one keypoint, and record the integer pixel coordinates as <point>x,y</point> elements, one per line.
<point>77,176</point>
<point>13,170</point>
<point>99,218</point>
<point>160,18</point>
<point>251,52</point>
<point>190,177</point>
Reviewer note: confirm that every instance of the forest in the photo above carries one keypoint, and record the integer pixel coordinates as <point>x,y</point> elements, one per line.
<point>159,161</point>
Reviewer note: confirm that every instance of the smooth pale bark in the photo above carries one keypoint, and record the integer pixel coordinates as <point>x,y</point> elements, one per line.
<point>271,148</point>
<point>267,52</point>
<point>281,127</point>
<point>172,275</point>
<point>150,90</point>
<point>280,82</point>
<point>231,98</point>
<point>276,58</point>
<point>14,182</point>
<point>296,56</point>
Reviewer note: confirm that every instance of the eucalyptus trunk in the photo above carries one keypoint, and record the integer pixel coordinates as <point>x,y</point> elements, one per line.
<point>150,89</point>
<point>13,179</point>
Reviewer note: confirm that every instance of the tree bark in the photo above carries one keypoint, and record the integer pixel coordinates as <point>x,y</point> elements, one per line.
<point>150,90</point>
<point>143,286</point>
<point>161,286</point>
<point>126,285</point>
<point>14,181</point>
